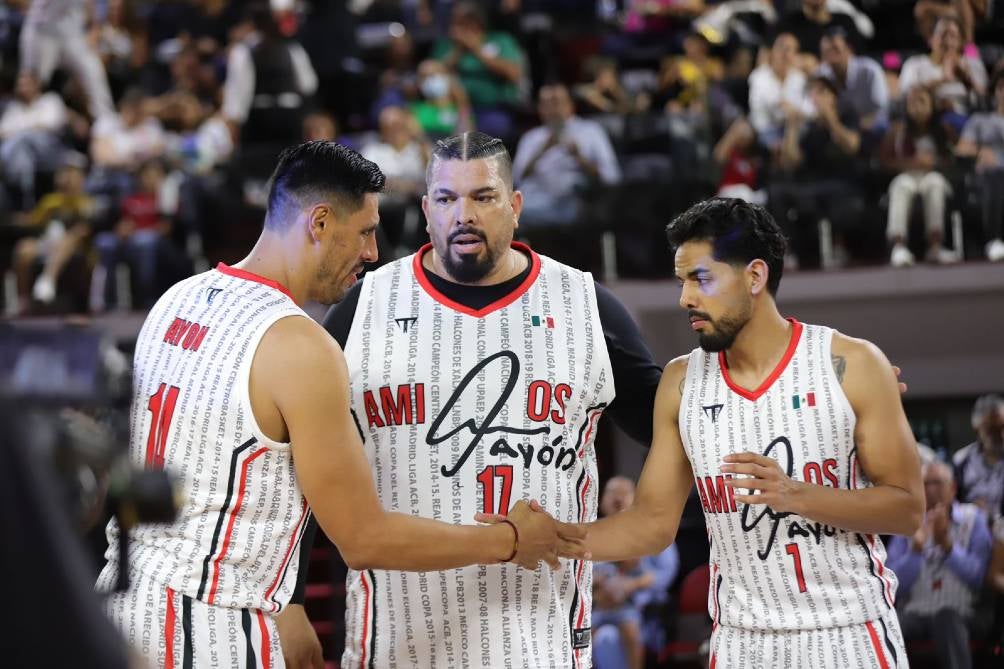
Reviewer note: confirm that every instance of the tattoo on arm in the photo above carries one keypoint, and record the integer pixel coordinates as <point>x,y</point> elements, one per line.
<point>839,366</point>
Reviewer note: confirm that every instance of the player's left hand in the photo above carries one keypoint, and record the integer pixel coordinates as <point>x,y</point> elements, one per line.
<point>775,488</point>
<point>301,649</point>
<point>571,536</point>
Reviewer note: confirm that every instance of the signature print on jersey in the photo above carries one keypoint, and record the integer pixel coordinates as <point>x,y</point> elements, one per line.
<point>545,404</point>
<point>716,497</point>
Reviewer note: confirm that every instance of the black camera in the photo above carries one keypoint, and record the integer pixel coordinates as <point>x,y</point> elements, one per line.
<point>68,390</point>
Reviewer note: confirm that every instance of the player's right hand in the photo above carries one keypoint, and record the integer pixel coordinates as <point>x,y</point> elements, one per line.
<point>541,537</point>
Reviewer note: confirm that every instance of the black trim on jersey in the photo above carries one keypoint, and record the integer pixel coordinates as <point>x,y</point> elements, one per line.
<point>890,646</point>
<point>250,661</point>
<point>578,441</point>
<point>718,598</point>
<point>373,620</point>
<point>359,427</point>
<point>575,564</point>
<point>223,513</point>
<point>188,652</point>
<point>299,542</point>
<point>871,564</point>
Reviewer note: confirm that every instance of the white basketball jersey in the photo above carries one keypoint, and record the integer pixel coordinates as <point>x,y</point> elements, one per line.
<point>780,571</point>
<point>241,511</point>
<point>464,411</point>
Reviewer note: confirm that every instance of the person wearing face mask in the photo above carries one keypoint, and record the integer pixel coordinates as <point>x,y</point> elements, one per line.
<point>444,108</point>
<point>979,467</point>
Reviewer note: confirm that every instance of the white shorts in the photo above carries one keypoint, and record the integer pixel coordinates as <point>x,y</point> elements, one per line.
<point>876,644</point>
<point>170,630</point>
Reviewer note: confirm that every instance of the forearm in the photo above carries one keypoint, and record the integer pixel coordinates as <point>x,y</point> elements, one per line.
<point>501,67</point>
<point>403,542</point>
<point>967,564</point>
<point>630,534</point>
<point>848,140</point>
<point>877,510</point>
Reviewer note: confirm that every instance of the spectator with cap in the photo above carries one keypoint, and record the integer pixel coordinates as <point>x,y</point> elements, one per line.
<point>941,569</point>
<point>979,467</point>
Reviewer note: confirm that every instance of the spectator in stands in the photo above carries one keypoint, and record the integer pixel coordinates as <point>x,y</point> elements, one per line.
<point>811,21</point>
<point>776,88</point>
<point>979,467</point>
<point>928,12</point>
<point>627,595</point>
<point>402,153</point>
<point>443,109</point>
<point>941,569</point>
<point>735,153</point>
<point>30,141</point>
<point>658,23</point>
<point>819,169</point>
<point>916,151</point>
<point>319,125</point>
<point>269,80</point>
<point>120,143</point>
<point>120,41</point>
<point>558,160</point>
<point>139,236</point>
<point>860,84</point>
<point>983,140</point>
<point>684,80</point>
<point>398,80</point>
<point>956,79</point>
<point>603,93</point>
<point>995,573</point>
<point>62,223</point>
<point>54,36</point>
<point>490,65</point>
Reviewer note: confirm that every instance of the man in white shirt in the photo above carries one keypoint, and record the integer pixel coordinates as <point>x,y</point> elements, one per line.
<point>776,86</point>
<point>556,161</point>
<point>29,135</point>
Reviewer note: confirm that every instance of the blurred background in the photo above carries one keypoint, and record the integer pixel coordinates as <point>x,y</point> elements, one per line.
<point>137,137</point>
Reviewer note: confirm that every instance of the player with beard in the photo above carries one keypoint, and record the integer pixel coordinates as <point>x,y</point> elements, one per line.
<point>478,371</point>
<point>796,438</point>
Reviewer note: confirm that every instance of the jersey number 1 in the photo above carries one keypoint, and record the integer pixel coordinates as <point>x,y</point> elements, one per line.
<point>796,557</point>
<point>162,406</point>
<point>487,481</point>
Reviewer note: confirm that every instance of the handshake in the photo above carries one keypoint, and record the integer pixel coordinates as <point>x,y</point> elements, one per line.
<point>538,536</point>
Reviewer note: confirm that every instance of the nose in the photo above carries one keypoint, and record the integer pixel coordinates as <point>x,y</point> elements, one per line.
<point>463,211</point>
<point>687,298</point>
<point>370,252</point>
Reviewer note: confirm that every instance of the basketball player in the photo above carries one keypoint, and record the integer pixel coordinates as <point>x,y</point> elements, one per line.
<point>478,371</point>
<point>245,400</point>
<point>809,423</point>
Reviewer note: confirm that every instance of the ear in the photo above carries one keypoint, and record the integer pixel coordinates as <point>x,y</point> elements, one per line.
<point>757,274</point>
<point>425,210</point>
<point>320,218</point>
<point>516,202</point>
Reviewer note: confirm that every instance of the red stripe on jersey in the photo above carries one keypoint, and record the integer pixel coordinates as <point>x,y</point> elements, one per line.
<point>366,618</point>
<point>230,525</point>
<point>289,553</point>
<point>251,276</point>
<point>887,584</point>
<point>266,642</point>
<point>883,664</point>
<point>517,292</point>
<point>714,661</point>
<point>169,622</point>
<point>753,395</point>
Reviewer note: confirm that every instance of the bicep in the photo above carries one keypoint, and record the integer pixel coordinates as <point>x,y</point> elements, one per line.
<point>667,477</point>
<point>885,444</point>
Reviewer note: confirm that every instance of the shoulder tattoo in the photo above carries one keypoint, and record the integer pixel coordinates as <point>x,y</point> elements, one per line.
<point>839,366</point>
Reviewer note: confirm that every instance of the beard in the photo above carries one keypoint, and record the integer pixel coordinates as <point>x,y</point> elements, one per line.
<point>726,329</point>
<point>469,268</point>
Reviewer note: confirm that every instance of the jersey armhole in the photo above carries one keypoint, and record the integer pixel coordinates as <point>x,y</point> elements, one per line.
<point>833,381</point>
<point>244,378</point>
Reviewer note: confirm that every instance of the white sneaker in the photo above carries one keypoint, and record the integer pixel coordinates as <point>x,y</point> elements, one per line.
<point>995,250</point>
<point>939,255</point>
<point>44,290</point>
<point>901,256</point>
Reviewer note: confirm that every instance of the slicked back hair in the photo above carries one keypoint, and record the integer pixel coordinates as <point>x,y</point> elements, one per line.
<point>471,146</point>
<point>739,233</point>
<point>319,171</point>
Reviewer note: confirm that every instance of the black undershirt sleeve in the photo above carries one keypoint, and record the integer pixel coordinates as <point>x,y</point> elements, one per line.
<point>636,374</point>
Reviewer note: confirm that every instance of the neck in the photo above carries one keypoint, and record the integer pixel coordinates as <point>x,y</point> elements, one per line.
<point>761,343</point>
<point>270,260</point>
<point>508,266</point>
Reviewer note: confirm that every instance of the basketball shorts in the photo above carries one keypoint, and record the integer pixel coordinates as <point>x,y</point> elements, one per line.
<point>876,644</point>
<point>174,631</point>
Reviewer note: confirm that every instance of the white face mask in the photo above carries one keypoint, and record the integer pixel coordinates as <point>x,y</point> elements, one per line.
<point>436,86</point>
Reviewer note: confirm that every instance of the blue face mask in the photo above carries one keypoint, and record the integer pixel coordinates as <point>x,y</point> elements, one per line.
<point>436,86</point>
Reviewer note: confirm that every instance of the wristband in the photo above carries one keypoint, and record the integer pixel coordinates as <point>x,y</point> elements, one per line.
<point>515,543</point>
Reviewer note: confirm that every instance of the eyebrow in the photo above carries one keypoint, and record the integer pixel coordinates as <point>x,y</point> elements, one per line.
<point>477,191</point>
<point>693,274</point>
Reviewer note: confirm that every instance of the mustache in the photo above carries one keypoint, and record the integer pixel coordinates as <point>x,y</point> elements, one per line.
<point>699,314</point>
<point>466,231</point>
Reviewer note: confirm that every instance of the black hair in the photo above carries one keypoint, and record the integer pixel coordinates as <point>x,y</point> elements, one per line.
<point>472,146</point>
<point>317,171</point>
<point>825,82</point>
<point>739,232</point>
